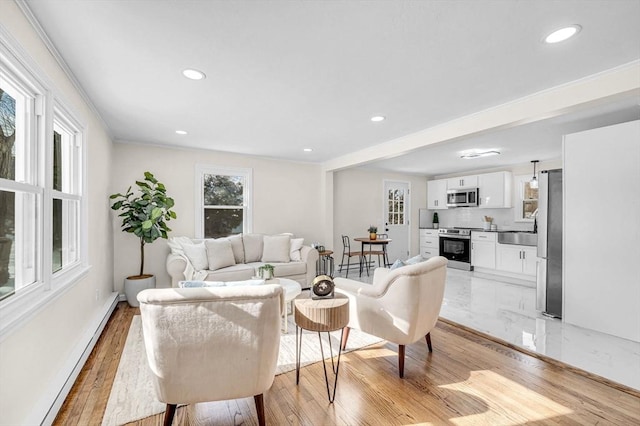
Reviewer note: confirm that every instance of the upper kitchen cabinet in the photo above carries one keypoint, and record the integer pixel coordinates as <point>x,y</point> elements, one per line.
<point>437,194</point>
<point>495,190</point>
<point>462,182</point>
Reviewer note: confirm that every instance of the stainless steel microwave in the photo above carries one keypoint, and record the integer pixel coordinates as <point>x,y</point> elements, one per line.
<point>467,197</point>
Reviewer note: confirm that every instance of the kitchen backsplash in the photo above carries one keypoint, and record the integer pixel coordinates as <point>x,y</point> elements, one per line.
<point>473,218</point>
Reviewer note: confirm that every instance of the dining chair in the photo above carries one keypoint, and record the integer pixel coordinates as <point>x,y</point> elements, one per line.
<point>346,252</point>
<point>381,253</point>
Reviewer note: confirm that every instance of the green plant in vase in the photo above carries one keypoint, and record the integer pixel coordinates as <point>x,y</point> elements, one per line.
<point>144,214</point>
<point>373,232</point>
<point>436,221</point>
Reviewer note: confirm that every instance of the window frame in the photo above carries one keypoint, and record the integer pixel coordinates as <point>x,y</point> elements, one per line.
<point>518,210</point>
<point>18,68</point>
<point>247,206</point>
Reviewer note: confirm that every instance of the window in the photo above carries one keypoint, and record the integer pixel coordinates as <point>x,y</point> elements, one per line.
<point>41,198</point>
<point>526,199</point>
<point>395,206</point>
<point>224,200</point>
<point>65,193</point>
<point>20,197</point>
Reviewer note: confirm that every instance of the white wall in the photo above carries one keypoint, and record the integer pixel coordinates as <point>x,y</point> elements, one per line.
<point>602,230</point>
<point>286,198</point>
<point>504,218</point>
<point>358,196</point>
<point>36,357</point>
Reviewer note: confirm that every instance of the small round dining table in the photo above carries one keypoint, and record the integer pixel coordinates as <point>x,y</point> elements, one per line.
<point>380,241</point>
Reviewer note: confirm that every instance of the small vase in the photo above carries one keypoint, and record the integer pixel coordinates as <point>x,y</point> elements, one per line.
<point>373,235</point>
<point>435,225</point>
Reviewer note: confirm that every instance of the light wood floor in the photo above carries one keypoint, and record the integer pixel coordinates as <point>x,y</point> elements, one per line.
<point>467,380</point>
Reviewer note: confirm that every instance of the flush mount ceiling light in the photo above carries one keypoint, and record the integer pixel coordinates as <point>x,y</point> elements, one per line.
<point>181,132</point>
<point>562,34</point>
<point>307,150</point>
<point>533,183</point>
<point>477,154</point>
<point>377,118</point>
<point>193,74</point>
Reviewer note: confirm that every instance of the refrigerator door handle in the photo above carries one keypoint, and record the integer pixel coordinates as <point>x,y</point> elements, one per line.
<point>543,212</point>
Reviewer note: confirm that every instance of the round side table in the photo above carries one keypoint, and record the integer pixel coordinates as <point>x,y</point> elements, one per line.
<point>321,315</point>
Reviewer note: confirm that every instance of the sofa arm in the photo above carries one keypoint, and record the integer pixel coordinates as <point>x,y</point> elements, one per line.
<point>176,264</point>
<point>377,289</point>
<point>310,256</point>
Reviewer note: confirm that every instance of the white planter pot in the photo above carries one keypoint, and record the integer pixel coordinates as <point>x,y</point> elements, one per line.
<point>135,284</point>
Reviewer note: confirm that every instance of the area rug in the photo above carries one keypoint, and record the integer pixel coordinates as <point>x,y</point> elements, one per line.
<point>133,398</point>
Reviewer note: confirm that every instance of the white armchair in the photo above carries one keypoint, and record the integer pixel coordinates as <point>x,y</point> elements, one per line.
<point>401,306</point>
<point>212,344</point>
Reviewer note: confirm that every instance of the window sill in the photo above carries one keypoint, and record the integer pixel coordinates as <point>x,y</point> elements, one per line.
<point>18,309</point>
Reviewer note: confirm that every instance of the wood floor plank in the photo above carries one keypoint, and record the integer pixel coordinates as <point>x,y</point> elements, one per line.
<point>469,379</point>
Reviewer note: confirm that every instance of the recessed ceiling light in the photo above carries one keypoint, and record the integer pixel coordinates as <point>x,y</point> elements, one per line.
<point>181,132</point>
<point>562,34</point>
<point>377,118</point>
<point>307,150</point>
<point>193,74</point>
<point>478,154</point>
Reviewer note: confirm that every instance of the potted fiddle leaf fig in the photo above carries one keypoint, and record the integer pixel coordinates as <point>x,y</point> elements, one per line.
<point>145,215</point>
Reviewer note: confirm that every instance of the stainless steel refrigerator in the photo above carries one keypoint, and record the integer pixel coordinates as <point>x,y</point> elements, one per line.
<point>549,220</point>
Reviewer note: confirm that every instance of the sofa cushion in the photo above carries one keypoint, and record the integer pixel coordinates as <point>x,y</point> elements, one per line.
<point>232,273</point>
<point>276,248</point>
<point>197,255</point>
<point>289,268</point>
<point>294,250</point>
<point>237,247</point>
<point>252,247</point>
<point>219,253</point>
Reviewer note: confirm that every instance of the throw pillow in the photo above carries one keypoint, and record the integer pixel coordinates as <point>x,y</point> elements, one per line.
<point>245,282</point>
<point>200,283</point>
<point>276,248</point>
<point>294,251</point>
<point>176,243</point>
<point>414,260</point>
<point>197,255</point>
<point>219,253</point>
<point>397,264</point>
<point>237,247</point>
<point>252,247</point>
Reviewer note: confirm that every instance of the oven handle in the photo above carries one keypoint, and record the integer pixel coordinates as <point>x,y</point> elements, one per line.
<point>457,237</point>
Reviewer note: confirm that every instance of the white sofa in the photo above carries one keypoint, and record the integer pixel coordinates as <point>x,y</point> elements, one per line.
<point>238,257</point>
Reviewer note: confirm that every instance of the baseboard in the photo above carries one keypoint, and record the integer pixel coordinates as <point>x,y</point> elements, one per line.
<point>45,412</point>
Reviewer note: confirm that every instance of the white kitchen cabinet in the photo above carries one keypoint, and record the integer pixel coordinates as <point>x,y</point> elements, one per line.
<point>516,259</point>
<point>429,243</point>
<point>437,194</point>
<point>529,260</point>
<point>483,249</point>
<point>494,190</point>
<point>462,182</point>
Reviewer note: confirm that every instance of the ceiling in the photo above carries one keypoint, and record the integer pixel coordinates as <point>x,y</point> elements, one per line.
<point>287,75</point>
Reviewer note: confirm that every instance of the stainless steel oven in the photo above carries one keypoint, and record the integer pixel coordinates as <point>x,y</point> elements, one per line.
<point>455,245</point>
